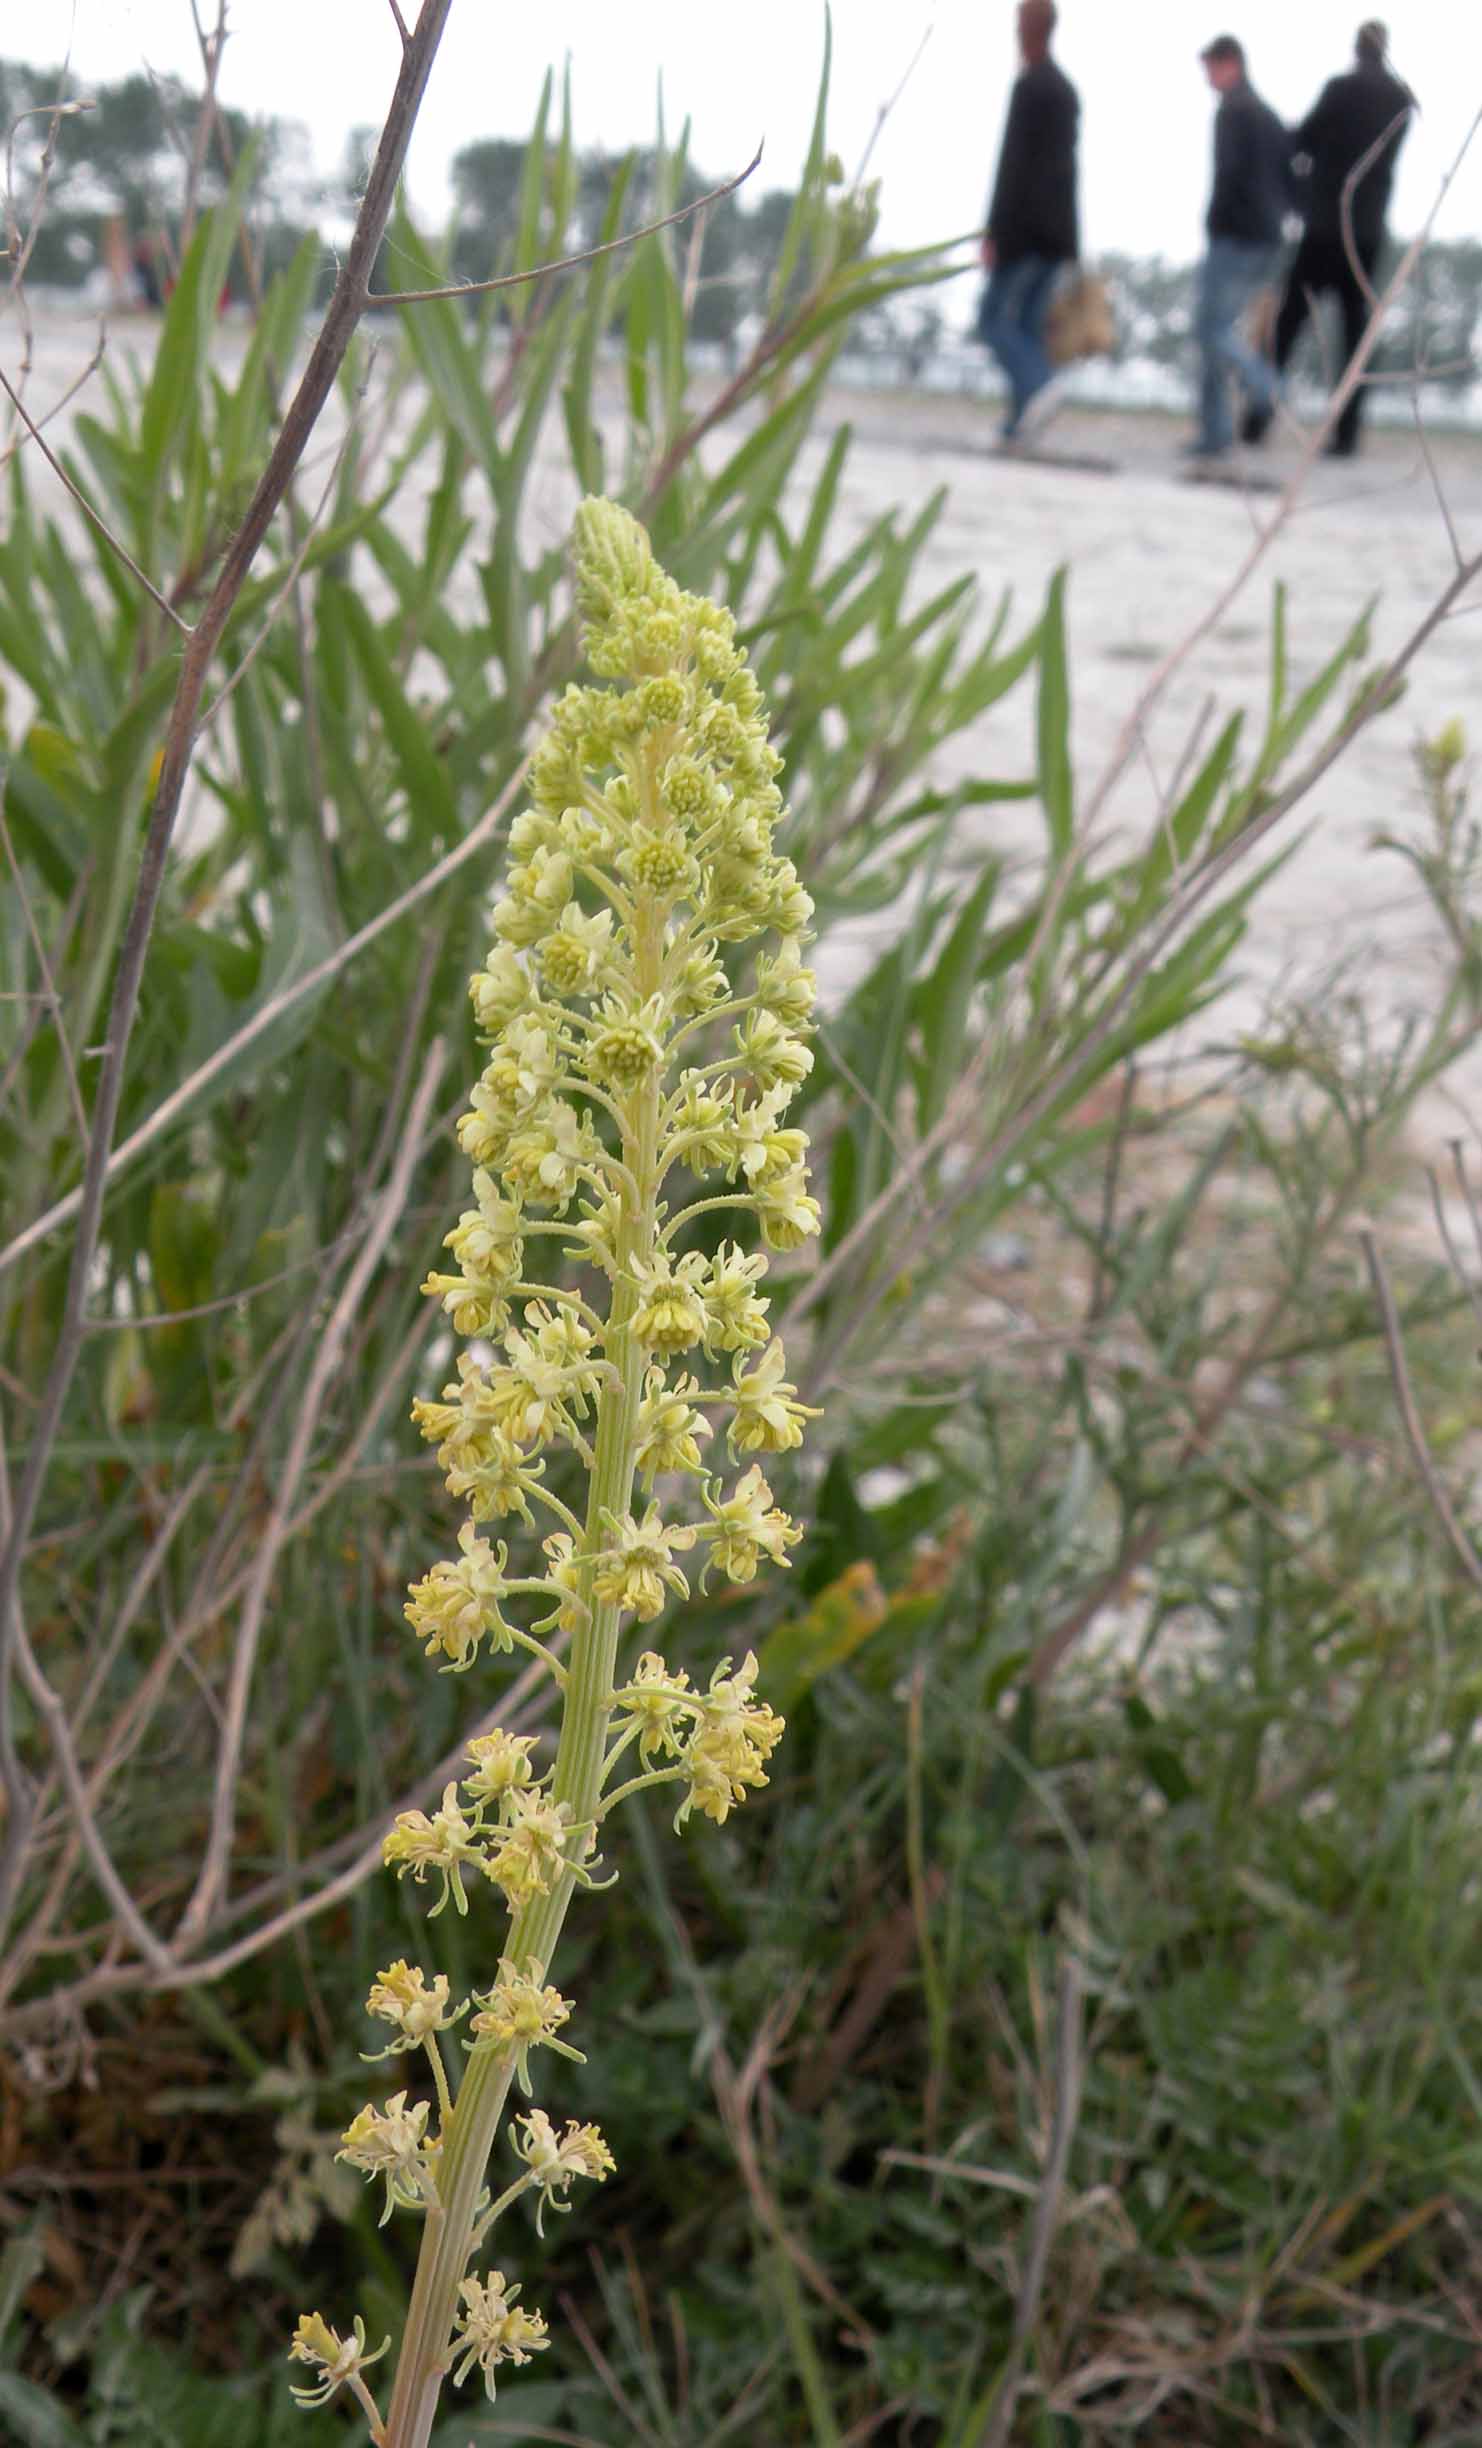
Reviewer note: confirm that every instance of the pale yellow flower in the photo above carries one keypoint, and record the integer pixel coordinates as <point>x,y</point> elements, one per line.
<point>392,2143</point>
<point>444,1843</point>
<point>556,2161</point>
<point>747,1527</point>
<point>636,1569</point>
<point>769,1418</point>
<point>519,2013</point>
<point>400,1996</point>
<point>493,2329</point>
<point>501,1762</point>
<point>336,2359</point>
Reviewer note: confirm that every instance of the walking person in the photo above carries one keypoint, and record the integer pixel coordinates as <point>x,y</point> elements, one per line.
<point>1364,113</point>
<point>1032,228</point>
<point>1249,201</point>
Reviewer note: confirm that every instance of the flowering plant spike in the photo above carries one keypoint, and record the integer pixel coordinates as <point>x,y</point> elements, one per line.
<point>645,1010</point>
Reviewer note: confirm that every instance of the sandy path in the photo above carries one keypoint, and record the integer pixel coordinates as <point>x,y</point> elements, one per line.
<point>1148,555</point>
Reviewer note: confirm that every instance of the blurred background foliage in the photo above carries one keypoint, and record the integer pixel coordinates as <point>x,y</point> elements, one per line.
<point>126,161</point>
<point>1079,2042</point>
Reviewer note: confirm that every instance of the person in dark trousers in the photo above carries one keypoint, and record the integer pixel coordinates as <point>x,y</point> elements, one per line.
<point>1248,204</point>
<point>1032,226</point>
<point>1362,117</point>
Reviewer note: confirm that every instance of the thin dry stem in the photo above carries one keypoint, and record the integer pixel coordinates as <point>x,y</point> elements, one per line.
<point>211,47</point>
<point>78,383</point>
<point>1424,1460</point>
<point>94,518</point>
<point>566,263</point>
<point>1069,2084</point>
<point>50,996</point>
<point>277,1529</point>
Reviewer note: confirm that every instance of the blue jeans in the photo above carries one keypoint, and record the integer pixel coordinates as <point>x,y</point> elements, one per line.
<point>1231,274</point>
<point>1011,322</point>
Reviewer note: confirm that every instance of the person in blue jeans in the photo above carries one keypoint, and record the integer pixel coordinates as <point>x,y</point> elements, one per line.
<point>1032,228</point>
<point>1248,206</point>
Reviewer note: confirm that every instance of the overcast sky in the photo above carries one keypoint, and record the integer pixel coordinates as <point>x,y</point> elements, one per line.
<point>746,72</point>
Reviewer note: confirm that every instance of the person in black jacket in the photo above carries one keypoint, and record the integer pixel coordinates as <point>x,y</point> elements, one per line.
<point>1032,226</point>
<point>1360,118</point>
<point>1248,204</point>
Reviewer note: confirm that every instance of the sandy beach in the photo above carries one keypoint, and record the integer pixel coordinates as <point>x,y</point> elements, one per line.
<point>1149,554</point>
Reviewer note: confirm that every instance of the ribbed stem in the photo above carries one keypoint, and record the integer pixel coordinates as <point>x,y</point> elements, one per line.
<point>577,1780</point>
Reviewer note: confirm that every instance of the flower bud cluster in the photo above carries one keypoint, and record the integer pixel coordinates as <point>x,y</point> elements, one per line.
<point>719,1740</point>
<point>644,1012</point>
<point>635,1077</point>
<point>505,1827</point>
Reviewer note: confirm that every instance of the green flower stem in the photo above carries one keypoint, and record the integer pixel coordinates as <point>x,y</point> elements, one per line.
<point>707,1206</point>
<point>708,1020</point>
<point>490,2218</point>
<point>368,2407</point>
<point>554,1292</point>
<point>439,2075</point>
<point>537,1648</point>
<point>470,2135</point>
<point>553,1504</point>
<point>640,1784</point>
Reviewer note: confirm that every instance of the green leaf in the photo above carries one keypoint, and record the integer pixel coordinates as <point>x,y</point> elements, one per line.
<point>1056,775</point>
<point>1179,838</point>
<point>528,240</point>
<point>50,805</point>
<point>244,420</point>
<point>582,435</point>
<point>943,998</point>
<point>37,2420</point>
<point>176,383</point>
<point>429,794</point>
<point>184,1241</point>
<point>22,2260</point>
<point>811,188</point>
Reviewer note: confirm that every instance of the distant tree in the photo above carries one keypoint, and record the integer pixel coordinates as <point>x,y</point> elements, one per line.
<point>486,179</point>
<point>738,248</point>
<point>128,155</point>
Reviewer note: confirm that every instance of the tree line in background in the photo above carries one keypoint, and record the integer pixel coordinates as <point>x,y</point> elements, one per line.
<point>127,158</point>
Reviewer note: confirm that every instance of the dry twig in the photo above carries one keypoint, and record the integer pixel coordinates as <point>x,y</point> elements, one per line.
<point>1410,1419</point>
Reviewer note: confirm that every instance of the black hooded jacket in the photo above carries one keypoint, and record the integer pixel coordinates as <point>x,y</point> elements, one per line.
<point>1351,114</point>
<point>1033,210</point>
